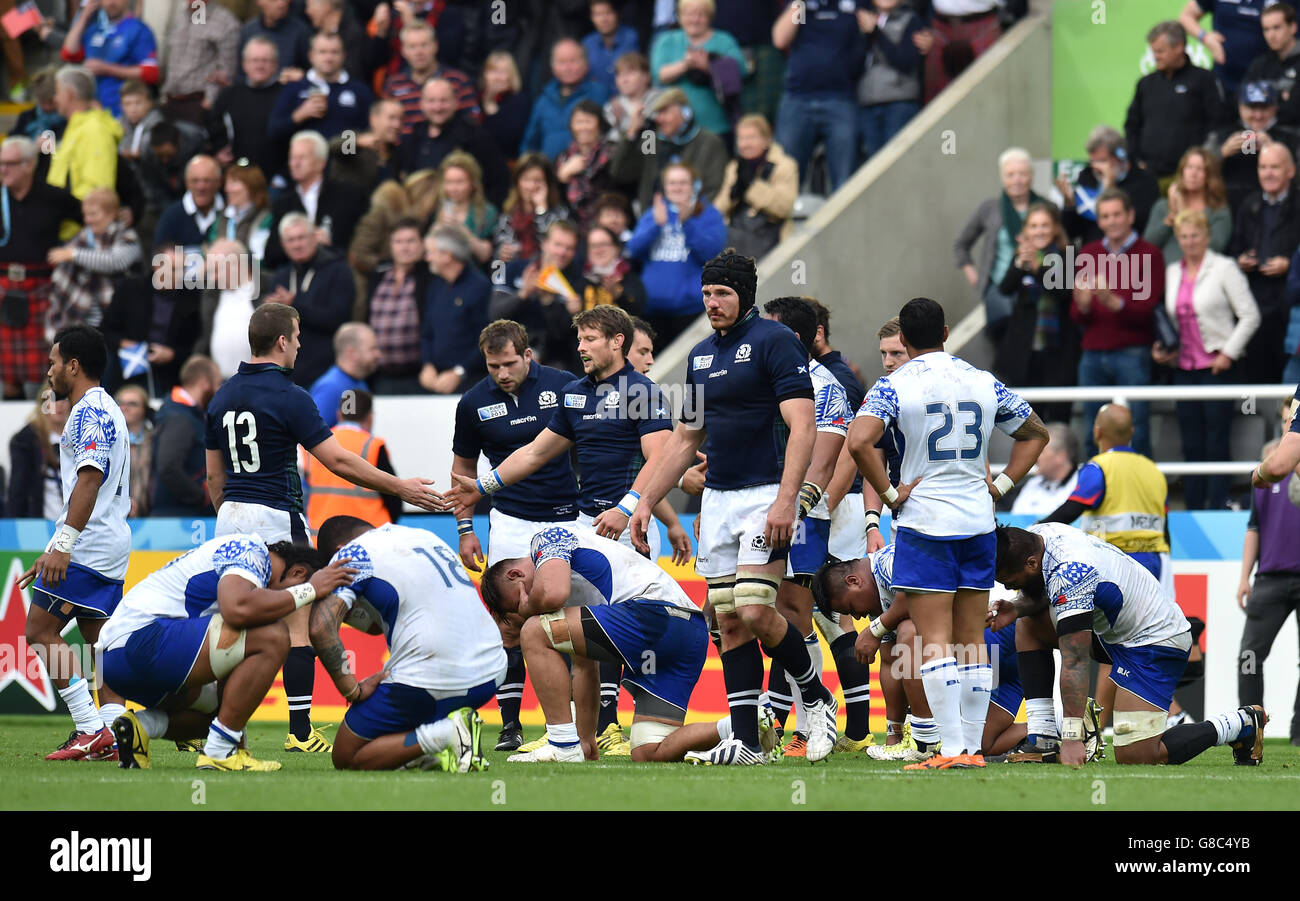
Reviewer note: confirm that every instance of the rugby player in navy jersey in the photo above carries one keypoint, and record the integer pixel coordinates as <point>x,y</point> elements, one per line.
<point>496,417</point>
<point>255,423</point>
<point>747,374</point>
<point>617,420</point>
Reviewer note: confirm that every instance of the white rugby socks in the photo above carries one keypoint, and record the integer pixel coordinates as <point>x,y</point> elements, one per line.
<point>82,707</point>
<point>153,722</point>
<point>222,740</point>
<point>1040,716</point>
<point>110,712</point>
<point>942,681</point>
<point>976,687</point>
<point>435,736</point>
<point>1228,726</point>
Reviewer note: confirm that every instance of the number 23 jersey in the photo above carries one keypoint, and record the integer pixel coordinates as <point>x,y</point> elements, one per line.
<point>257,420</point>
<point>413,586</point>
<point>941,411</point>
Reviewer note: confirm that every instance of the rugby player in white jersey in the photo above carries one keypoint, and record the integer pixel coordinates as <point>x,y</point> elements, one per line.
<point>749,373</point>
<point>944,411</point>
<point>199,642</point>
<point>597,601</point>
<point>864,587</point>
<point>1083,595</point>
<point>445,655</point>
<point>809,549</point>
<point>80,573</point>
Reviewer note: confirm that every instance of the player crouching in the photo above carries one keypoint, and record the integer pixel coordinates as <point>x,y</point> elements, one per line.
<point>597,601</point>
<point>445,655</point>
<point>1084,596</point>
<point>199,643</point>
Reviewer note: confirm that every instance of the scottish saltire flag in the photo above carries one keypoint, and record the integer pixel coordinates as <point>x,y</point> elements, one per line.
<point>134,359</point>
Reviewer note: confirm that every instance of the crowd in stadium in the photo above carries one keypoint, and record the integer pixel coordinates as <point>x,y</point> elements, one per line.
<point>610,234</point>
<point>455,163</point>
<point>1181,235</point>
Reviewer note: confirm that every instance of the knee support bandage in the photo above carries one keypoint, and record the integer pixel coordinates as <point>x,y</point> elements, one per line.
<point>753,591</point>
<point>224,656</point>
<point>564,647</point>
<point>1133,726</point>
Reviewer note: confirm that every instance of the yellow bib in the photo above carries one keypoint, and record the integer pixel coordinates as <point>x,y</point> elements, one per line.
<point>1132,512</point>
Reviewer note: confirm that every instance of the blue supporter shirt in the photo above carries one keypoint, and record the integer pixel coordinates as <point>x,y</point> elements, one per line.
<point>327,392</point>
<point>128,42</point>
<point>454,314</point>
<point>735,385</point>
<point>1243,38</point>
<point>348,107</point>
<point>497,424</point>
<point>257,419</point>
<point>601,58</point>
<point>607,419</point>
<point>826,56</point>
<point>856,394</point>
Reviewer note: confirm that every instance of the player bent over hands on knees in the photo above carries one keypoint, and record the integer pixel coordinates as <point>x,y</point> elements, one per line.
<point>596,600</point>
<point>199,643</point>
<point>1082,595</point>
<point>445,655</point>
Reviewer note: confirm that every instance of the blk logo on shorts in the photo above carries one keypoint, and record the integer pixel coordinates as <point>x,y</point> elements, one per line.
<point>759,543</point>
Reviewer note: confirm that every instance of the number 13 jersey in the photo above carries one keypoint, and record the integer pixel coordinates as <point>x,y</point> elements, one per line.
<point>940,411</point>
<point>257,420</point>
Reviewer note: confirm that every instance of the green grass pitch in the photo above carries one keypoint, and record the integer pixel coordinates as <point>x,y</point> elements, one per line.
<point>308,782</point>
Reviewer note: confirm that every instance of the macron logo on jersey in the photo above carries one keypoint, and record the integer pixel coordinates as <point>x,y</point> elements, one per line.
<point>491,412</point>
<point>705,362</point>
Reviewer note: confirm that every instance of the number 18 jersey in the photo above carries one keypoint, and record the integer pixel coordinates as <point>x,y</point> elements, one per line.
<point>439,634</point>
<point>257,420</point>
<point>941,411</point>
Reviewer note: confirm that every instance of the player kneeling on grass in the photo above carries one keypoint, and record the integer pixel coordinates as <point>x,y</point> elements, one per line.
<point>1080,594</point>
<point>445,655</point>
<point>598,601</point>
<point>199,643</point>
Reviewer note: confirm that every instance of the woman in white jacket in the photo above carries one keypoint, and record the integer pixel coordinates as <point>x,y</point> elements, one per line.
<point>1210,304</point>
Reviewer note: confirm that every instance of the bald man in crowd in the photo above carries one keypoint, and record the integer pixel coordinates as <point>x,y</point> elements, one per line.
<point>356,356</point>
<point>186,222</point>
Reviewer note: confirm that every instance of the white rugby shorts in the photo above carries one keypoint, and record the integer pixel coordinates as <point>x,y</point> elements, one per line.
<point>267,523</point>
<point>731,530</point>
<point>652,534</point>
<point>849,529</point>
<point>510,537</point>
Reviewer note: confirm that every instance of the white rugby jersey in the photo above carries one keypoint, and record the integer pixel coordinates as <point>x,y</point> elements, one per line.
<point>833,415</point>
<point>439,634</point>
<point>186,588</point>
<point>606,572</point>
<point>96,435</point>
<point>941,411</point>
<point>882,568</point>
<point>1085,576</point>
